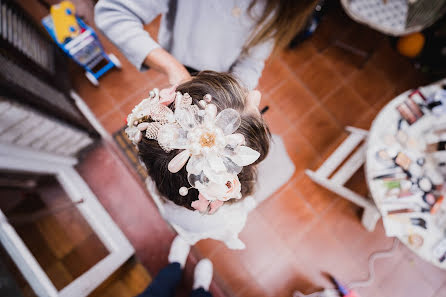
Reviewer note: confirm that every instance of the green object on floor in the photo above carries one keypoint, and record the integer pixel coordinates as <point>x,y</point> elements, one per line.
<point>393,184</point>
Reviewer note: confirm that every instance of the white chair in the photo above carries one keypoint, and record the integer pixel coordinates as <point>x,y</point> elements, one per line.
<point>334,181</point>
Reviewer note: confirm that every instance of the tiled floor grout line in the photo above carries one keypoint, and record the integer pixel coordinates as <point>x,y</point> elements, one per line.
<point>347,78</point>
<point>106,114</point>
<point>384,74</point>
<point>282,244</point>
<point>214,251</point>
<point>331,92</point>
<point>116,107</point>
<point>297,122</point>
<point>427,280</point>
<point>333,68</point>
<point>239,293</point>
<point>372,110</point>
<point>112,118</point>
<point>346,83</point>
<point>272,105</point>
<point>134,94</point>
<point>226,286</point>
<point>300,196</point>
<point>337,123</point>
<point>350,77</point>
<point>307,229</point>
<point>357,94</point>
<point>342,127</point>
<point>289,186</point>
<point>285,132</point>
<point>306,114</point>
<point>321,214</point>
<point>374,104</point>
<point>389,272</point>
<point>274,88</point>
<point>307,62</point>
<point>318,101</point>
<point>297,78</point>
<point>436,292</point>
<point>304,139</point>
<point>442,287</point>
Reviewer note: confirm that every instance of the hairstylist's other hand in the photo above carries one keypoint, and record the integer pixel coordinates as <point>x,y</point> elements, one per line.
<point>161,60</point>
<point>253,101</point>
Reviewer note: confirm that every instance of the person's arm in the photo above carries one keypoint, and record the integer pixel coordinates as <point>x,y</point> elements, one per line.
<point>159,59</point>
<point>122,22</point>
<point>248,67</point>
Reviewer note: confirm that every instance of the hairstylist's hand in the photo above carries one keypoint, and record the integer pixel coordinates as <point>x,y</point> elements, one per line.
<point>159,59</point>
<point>178,75</point>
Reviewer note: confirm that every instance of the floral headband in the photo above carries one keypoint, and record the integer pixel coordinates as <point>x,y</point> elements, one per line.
<point>214,154</point>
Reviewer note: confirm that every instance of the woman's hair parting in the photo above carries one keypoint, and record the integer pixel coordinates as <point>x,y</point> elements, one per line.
<point>226,93</point>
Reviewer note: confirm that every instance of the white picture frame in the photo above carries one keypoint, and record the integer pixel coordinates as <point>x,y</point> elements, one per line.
<point>120,250</point>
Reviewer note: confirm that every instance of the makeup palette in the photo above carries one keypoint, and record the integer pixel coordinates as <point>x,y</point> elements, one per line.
<point>410,111</point>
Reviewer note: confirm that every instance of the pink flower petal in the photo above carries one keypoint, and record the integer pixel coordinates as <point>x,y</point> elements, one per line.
<point>215,205</point>
<point>201,204</point>
<point>167,96</point>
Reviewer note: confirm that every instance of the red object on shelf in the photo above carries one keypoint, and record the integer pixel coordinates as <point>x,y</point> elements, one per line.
<point>418,92</point>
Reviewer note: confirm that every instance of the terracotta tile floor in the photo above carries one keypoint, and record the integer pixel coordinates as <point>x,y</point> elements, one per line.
<point>302,230</point>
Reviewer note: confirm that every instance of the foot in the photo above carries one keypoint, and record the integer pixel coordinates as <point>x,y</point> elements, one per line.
<point>203,275</point>
<point>179,250</point>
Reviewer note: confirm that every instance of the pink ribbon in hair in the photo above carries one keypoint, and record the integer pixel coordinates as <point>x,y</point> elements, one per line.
<point>167,96</point>
<point>202,204</point>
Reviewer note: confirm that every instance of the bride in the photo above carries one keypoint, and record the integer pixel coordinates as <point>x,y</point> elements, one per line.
<point>200,142</point>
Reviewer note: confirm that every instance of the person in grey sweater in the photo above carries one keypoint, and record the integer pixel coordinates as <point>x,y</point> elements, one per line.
<point>234,36</point>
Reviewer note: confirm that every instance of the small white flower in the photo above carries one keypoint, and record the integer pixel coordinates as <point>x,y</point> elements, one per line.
<point>132,132</point>
<point>139,111</point>
<point>154,109</point>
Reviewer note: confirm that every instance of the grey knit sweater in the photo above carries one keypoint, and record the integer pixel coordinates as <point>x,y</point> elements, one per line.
<point>202,34</point>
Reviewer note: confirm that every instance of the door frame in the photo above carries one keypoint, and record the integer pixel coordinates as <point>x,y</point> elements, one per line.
<point>120,249</point>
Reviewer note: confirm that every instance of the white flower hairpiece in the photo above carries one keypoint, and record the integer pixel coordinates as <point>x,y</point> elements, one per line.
<point>214,154</point>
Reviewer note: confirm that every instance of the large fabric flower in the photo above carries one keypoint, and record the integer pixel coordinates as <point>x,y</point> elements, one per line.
<point>213,152</point>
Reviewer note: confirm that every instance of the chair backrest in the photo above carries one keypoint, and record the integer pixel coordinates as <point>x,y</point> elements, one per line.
<point>343,156</point>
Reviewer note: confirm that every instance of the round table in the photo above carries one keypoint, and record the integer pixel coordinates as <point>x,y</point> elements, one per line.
<point>383,144</point>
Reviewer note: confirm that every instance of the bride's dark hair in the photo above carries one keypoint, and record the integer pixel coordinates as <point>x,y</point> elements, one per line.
<point>226,92</point>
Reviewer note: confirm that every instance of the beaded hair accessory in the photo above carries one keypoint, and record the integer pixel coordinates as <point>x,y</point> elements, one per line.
<point>214,154</point>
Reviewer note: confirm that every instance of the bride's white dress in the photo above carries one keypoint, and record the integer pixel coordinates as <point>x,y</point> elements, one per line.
<point>229,220</point>
<point>223,225</point>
